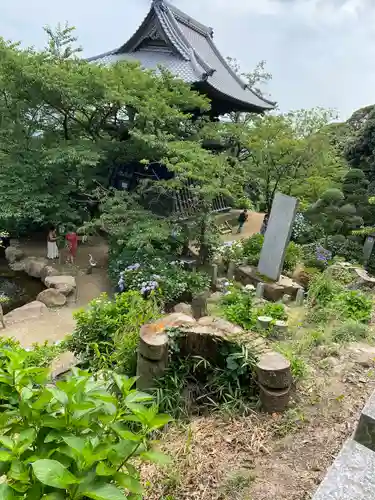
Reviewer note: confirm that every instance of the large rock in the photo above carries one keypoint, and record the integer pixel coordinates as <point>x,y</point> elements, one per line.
<point>183,309</point>
<point>52,298</point>
<point>17,266</point>
<point>49,271</point>
<point>64,284</point>
<point>13,254</point>
<point>33,310</point>
<point>63,363</point>
<point>34,266</point>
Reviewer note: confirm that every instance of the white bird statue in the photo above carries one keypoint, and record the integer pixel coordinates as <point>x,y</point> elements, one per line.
<point>92,262</point>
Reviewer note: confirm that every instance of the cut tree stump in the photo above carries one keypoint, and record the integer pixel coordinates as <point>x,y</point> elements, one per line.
<point>273,371</point>
<point>280,329</point>
<point>264,322</point>
<point>273,400</point>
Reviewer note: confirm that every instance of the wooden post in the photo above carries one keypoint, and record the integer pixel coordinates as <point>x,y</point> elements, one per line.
<point>152,356</point>
<point>214,275</point>
<point>260,291</point>
<point>199,306</point>
<point>231,270</point>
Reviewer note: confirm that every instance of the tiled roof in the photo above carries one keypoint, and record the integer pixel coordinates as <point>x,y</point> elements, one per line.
<point>186,48</point>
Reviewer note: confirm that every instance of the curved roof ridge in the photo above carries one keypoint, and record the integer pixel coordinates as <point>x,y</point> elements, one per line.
<point>170,15</point>
<point>172,31</point>
<point>184,18</point>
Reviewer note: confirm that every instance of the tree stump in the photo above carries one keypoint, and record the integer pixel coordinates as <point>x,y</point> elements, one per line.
<point>152,355</point>
<point>280,329</point>
<point>273,400</point>
<point>273,371</point>
<point>199,306</point>
<point>264,322</point>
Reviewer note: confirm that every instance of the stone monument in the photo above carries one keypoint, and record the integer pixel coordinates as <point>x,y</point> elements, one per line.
<point>277,236</point>
<point>368,248</point>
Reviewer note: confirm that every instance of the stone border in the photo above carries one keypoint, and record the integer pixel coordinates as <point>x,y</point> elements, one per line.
<point>58,285</point>
<point>351,476</point>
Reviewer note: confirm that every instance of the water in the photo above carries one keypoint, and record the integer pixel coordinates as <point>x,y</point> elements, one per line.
<point>18,287</point>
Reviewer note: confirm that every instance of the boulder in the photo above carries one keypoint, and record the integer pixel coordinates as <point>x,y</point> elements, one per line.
<point>63,363</point>
<point>33,310</point>
<point>221,325</point>
<point>64,284</point>
<point>34,266</point>
<point>14,254</point>
<point>17,266</point>
<point>52,298</point>
<point>48,271</point>
<point>184,309</point>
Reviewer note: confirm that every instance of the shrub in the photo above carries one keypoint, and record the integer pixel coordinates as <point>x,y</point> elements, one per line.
<point>354,305</point>
<point>168,280</point>
<point>350,331</point>
<point>106,333</point>
<point>79,439</point>
<point>230,251</point>
<point>252,247</point>
<point>293,256</point>
<point>323,290</point>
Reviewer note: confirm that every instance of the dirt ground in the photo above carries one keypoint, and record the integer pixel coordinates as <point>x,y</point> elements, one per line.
<point>56,324</point>
<point>270,457</point>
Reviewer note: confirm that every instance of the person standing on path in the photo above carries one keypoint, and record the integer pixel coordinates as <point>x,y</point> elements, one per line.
<point>52,249</point>
<point>242,218</point>
<point>72,244</point>
<point>263,229</point>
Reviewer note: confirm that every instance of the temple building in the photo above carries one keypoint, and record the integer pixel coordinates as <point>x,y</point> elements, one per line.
<point>171,39</point>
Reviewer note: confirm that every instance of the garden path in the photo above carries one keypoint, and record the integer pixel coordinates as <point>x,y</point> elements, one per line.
<point>56,324</point>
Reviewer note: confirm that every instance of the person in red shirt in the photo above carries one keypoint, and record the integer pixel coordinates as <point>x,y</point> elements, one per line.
<point>72,244</point>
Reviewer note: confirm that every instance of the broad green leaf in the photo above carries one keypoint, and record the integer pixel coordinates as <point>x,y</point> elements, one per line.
<point>52,473</point>
<point>124,432</point>
<point>138,397</point>
<point>54,496</point>
<point>104,470</point>
<point>160,421</point>
<point>129,482</point>
<point>26,393</point>
<point>18,471</point>
<point>104,492</point>
<point>59,395</point>
<point>156,456</point>
<point>75,443</point>
<point>6,492</point>
<point>43,400</point>
<point>7,442</point>
<point>25,440</point>
<point>5,456</point>
<point>54,422</point>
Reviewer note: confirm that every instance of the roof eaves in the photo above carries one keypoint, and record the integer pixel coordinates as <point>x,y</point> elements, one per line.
<point>101,56</point>
<point>176,40</point>
<point>231,71</point>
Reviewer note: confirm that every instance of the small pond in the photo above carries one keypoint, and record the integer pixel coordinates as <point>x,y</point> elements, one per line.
<point>18,287</point>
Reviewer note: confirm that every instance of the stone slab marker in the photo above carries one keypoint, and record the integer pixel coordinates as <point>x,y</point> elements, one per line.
<point>368,248</point>
<point>351,477</point>
<point>277,236</point>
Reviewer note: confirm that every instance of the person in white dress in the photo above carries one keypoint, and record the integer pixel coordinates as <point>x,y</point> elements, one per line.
<point>52,249</point>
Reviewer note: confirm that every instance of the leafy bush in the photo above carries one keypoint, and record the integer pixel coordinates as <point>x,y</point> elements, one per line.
<point>78,439</point>
<point>293,256</point>
<point>230,251</point>
<point>106,333</point>
<point>303,232</point>
<point>350,331</point>
<point>168,280</point>
<point>238,307</point>
<point>322,290</point>
<point>355,305</point>
<point>252,247</point>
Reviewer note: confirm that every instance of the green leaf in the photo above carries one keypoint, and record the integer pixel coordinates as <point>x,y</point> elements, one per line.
<point>75,443</point>
<point>138,397</point>
<point>5,456</point>
<point>54,496</point>
<point>59,395</point>
<point>7,442</point>
<point>104,470</point>
<point>160,421</point>
<point>124,432</point>
<point>156,457</point>
<point>52,473</point>
<point>129,482</point>
<point>25,440</point>
<point>18,471</point>
<point>104,492</point>
<point>6,492</point>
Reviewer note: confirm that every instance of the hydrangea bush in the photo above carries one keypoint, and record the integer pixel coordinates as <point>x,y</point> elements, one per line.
<point>168,280</point>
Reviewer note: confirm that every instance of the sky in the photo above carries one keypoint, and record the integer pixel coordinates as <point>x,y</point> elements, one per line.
<point>320,52</point>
